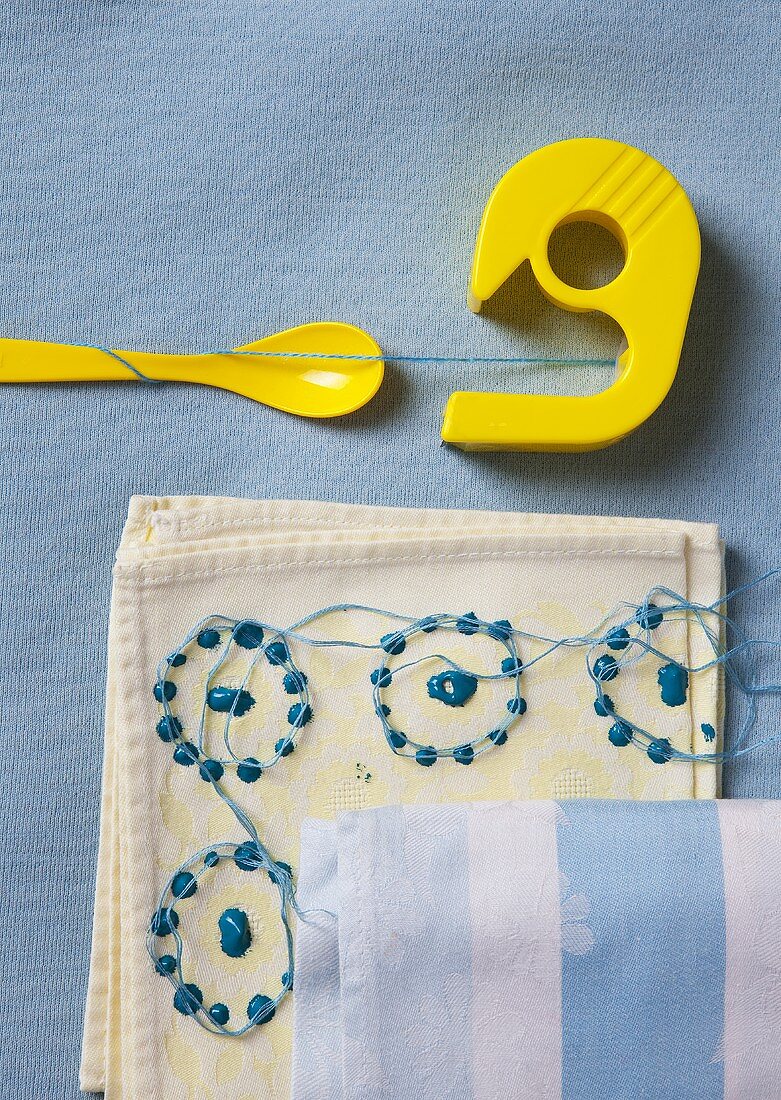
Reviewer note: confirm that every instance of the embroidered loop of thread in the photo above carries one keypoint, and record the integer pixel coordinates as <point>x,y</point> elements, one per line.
<point>617,642</point>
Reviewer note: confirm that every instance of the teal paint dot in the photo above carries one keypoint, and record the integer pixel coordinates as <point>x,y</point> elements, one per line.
<point>426,757</point>
<point>164,921</point>
<point>284,746</point>
<point>604,706</point>
<point>261,1009</point>
<point>468,624</point>
<point>674,681</point>
<point>606,668</point>
<point>517,705</point>
<point>294,682</point>
<point>211,859</point>
<point>299,714</point>
<point>618,638</point>
<point>176,660</point>
<point>499,737</point>
<point>393,643</point>
<point>287,980</point>
<point>225,700</point>
<point>169,727</point>
<point>188,999</point>
<point>164,690</point>
<point>220,1014</point>
<point>235,933</point>
<point>248,635</point>
<point>708,732</point>
<point>249,770</point>
<point>277,653</point>
<point>381,677</point>
<point>211,771</point>
<point>183,885</point>
<point>166,964</point>
<point>429,624</point>
<point>512,664</point>
<point>501,630</point>
<point>660,750</point>
<point>453,688</point>
<point>383,710</point>
<point>649,617</point>
<point>397,739</point>
<point>208,639</point>
<point>280,871</point>
<point>247,856</point>
<point>620,734</point>
<point>464,755</point>
<point>186,754</point>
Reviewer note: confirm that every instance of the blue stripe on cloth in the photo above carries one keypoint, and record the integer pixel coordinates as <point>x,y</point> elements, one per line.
<point>643,951</point>
<point>406,1004</point>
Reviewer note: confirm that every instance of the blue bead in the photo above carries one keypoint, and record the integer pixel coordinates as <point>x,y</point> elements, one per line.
<point>188,999</point>
<point>277,653</point>
<point>604,706</point>
<point>293,682</point>
<point>247,856</point>
<point>211,771</point>
<point>220,1014</point>
<point>618,638</point>
<point>299,714</point>
<point>261,1009</point>
<point>499,737</point>
<point>284,746</point>
<point>211,859</point>
<point>453,688</point>
<point>501,630</point>
<point>169,727</point>
<point>649,617</point>
<point>660,750</point>
<point>248,635</point>
<point>381,677</point>
<point>208,639</point>
<point>164,921</point>
<point>166,964</point>
<point>235,933</point>
<point>708,732</point>
<point>605,668</point>
<point>397,739</point>
<point>464,755</point>
<point>426,757</point>
<point>512,664</point>
<point>468,624</point>
<point>674,682</point>
<point>183,885</point>
<point>164,690</point>
<point>227,700</point>
<point>249,770</point>
<point>394,643</point>
<point>620,734</point>
<point>517,705</point>
<point>186,754</point>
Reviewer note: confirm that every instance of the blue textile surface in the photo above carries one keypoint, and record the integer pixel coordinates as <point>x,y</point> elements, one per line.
<point>186,175</point>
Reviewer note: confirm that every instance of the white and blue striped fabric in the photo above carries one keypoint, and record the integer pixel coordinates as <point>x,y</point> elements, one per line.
<point>555,951</point>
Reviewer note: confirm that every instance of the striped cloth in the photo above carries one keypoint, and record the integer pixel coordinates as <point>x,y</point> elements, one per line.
<point>578,950</point>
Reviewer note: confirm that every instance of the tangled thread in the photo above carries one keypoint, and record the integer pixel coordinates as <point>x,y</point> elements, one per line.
<point>610,648</point>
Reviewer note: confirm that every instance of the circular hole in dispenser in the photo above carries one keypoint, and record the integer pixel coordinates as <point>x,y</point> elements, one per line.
<point>585,254</point>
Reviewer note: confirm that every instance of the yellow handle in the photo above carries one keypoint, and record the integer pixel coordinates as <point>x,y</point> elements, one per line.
<point>630,193</point>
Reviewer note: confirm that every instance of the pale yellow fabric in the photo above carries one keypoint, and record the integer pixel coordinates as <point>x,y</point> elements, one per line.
<point>182,559</point>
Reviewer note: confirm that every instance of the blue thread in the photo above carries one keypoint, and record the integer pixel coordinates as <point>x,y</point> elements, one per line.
<point>235,933</point>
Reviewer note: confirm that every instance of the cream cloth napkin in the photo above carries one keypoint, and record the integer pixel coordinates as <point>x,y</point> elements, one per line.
<point>183,559</point>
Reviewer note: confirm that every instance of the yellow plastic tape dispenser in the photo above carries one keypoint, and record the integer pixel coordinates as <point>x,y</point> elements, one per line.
<point>644,206</point>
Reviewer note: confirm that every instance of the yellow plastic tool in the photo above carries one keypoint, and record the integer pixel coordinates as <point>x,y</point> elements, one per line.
<point>636,198</point>
<point>294,382</point>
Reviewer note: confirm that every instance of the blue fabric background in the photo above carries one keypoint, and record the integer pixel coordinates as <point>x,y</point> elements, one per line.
<point>188,175</point>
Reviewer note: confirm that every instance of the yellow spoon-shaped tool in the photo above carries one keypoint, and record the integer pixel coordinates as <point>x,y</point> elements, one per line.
<point>306,370</point>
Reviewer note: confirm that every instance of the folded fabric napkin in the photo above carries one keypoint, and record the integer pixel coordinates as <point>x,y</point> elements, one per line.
<point>189,573</point>
<point>576,950</point>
